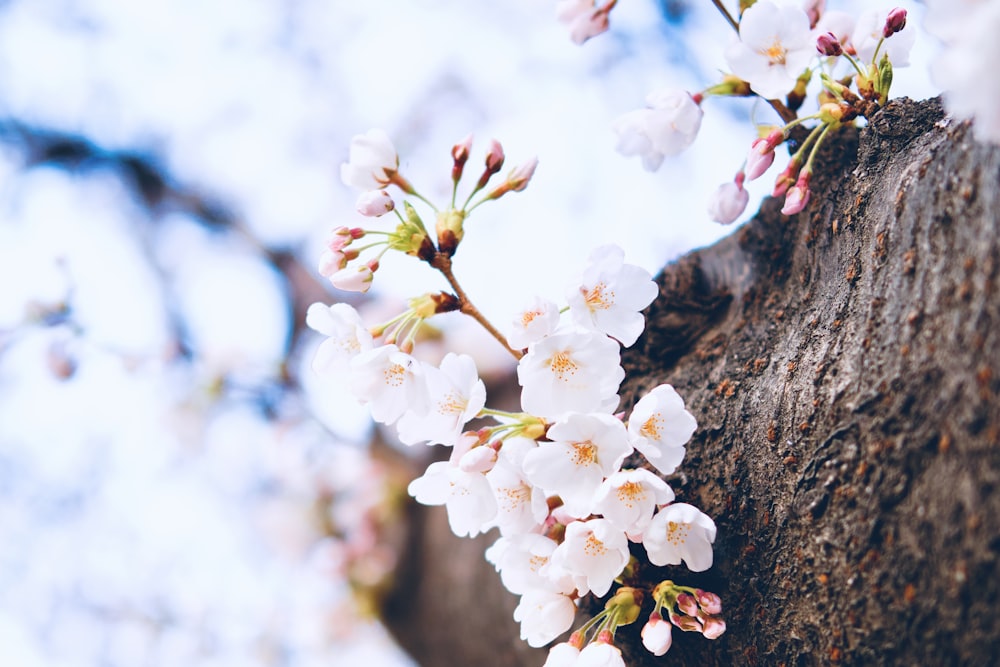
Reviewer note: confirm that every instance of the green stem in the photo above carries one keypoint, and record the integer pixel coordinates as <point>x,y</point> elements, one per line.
<point>815,149</point>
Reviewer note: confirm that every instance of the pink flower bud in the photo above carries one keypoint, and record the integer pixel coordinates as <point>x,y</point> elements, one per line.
<point>341,236</point>
<point>374,203</point>
<point>494,157</point>
<point>894,22</point>
<point>520,177</point>
<point>798,196</point>
<point>828,45</point>
<point>494,161</point>
<point>709,602</point>
<point>516,181</point>
<point>728,202</point>
<point>786,178</point>
<point>686,623</point>
<point>714,627</point>
<point>356,278</point>
<point>759,159</point>
<point>657,635</point>
<point>687,604</point>
<point>460,154</point>
<point>331,261</point>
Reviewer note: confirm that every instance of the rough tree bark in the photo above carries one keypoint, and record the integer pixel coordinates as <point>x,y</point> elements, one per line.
<point>843,365</point>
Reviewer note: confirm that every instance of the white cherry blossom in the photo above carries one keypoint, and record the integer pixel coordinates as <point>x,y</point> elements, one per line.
<point>600,654</point>
<point>660,426</point>
<point>594,552</point>
<point>391,382</point>
<point>346,336</point>
<point>570,372</point>
<point>521,561</point>
<point>585,449</point>
<point>456,395</point>
<point>680,532</point>
<point>522,506</point>
<point>466,495</point>
<point>532,324</point>
<point>372,161</point>
<point>629,498</point>
<point>611,295</point>
<point>774,48</point>
<point>544,615</point>
<point>667,126</point>
<point>562,655</point>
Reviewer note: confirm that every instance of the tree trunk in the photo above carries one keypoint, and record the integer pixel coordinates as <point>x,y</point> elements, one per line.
<point>843,366</point>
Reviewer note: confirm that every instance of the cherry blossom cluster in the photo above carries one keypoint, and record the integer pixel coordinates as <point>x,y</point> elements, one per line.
<point>779,49</point>
<point>567,482</point>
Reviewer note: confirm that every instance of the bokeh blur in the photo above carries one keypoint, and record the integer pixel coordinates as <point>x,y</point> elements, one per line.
<point>176,486</point>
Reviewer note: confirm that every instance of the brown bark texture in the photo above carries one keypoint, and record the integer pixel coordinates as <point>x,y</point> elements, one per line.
<point>843,366</point>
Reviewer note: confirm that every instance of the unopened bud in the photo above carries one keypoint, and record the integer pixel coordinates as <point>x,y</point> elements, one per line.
<point>798,196</point>
<point>894,22</point>
<point>517,180</point>
<point>356,278</point>
<point>687,604</point>
<point>686,623</point>
<point>520,177</point>
<point>460,154</point>
<point>759,159</point>
<point>786,178</point>
<point>375,203</point>
<point>494,162</point>
<point>713,627</point>
<point>494,157</point>
<point>828,45</point>
<point>478,459</point>
<point>709,602</point>
<point>656,635</point>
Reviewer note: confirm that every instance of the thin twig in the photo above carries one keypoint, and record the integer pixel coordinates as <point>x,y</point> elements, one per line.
<point>725,13</point>
<point>443,264</point>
